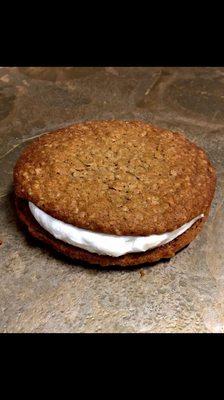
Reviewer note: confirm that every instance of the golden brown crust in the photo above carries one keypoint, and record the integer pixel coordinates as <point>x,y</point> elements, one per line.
<point>166,251</point>
<point>118,177</point>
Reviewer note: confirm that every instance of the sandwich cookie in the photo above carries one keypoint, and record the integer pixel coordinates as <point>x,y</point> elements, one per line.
<point>114,192</point>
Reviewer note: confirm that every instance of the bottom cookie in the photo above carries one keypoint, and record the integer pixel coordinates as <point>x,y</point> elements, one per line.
<point>166,251</point>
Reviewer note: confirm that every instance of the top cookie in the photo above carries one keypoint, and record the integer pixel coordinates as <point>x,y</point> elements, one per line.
<point>117,177</point>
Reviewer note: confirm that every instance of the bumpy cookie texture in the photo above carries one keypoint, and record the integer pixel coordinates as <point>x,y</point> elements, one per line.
<point>128,260</point>
<point>118,177</point>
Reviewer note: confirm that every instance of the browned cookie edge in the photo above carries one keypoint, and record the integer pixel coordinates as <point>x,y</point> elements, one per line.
<point>129,223</point>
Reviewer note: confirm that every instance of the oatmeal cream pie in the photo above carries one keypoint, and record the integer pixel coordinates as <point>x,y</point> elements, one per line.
<point>114,192</point>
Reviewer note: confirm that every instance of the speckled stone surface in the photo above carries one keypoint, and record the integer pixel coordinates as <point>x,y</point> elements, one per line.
<point>44,292</point>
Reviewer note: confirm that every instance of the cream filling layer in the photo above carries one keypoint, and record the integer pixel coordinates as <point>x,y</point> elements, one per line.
<point>103,243</point>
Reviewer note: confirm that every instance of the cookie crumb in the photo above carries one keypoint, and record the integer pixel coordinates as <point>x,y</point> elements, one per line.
<point>142,272</point>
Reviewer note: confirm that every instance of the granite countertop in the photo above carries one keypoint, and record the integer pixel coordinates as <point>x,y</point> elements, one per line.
<point>42,291</point>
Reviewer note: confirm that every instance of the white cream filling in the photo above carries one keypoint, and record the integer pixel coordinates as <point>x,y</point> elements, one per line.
<point>102,243</point>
